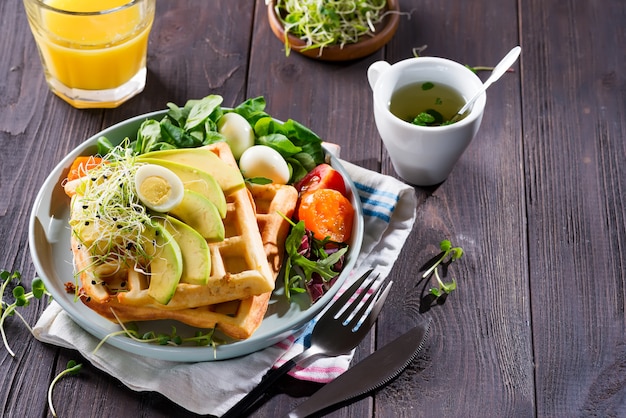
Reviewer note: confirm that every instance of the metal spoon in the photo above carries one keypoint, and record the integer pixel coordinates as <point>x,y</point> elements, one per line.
<point>504,64</point>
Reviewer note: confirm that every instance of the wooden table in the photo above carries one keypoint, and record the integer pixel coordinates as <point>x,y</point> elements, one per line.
<point>538,201</point>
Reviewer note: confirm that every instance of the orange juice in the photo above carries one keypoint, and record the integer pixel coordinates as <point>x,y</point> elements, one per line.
<point>85,52</point>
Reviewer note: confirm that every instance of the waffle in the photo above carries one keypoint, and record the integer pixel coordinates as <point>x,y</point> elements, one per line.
<point>253,247</point>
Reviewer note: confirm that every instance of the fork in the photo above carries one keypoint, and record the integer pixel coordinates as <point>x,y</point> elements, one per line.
<point>340,329</point>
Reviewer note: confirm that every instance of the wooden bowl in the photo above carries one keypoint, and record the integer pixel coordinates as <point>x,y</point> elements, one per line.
<point>364,47</point>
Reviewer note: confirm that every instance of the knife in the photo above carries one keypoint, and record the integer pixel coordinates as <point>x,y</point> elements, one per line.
<point>375,371</point>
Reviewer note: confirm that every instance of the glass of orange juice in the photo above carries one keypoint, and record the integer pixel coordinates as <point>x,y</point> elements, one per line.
<point>93,52</point>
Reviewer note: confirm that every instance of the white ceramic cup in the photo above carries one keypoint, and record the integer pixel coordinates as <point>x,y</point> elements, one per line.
<point>424,155</point>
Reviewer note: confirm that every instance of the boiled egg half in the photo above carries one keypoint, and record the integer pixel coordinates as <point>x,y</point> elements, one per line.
<point>158,188</point>
<point>263,161</point>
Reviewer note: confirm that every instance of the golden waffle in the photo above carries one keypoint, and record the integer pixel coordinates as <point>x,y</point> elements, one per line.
<point>239,267</point>
<point>244,268</point>
<point>240,318</point>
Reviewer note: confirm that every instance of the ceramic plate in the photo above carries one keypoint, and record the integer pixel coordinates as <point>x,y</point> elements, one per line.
<point>49,238</point>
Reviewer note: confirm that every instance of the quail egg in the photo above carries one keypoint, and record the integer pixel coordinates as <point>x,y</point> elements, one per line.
<point>237,131</point>
<point>263,161</point>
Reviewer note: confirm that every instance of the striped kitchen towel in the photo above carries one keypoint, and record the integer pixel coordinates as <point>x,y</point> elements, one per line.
<point>388,216</point>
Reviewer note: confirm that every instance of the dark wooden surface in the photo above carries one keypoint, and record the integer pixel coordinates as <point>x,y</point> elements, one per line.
<point>538,201</point>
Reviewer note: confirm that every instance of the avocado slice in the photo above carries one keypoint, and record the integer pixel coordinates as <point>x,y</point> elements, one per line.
<point>194,250</point>
<point>200,214</point>
<point>194,179</point>
<point>228,177</point>
<point>166,263</point>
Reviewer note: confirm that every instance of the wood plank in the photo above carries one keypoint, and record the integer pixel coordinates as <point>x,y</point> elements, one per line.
<point>194,50</point>
<point>332,99</point>
<point>33,140</point>
<point>574,107</point>
<point>21,117</point>
<point>37,130</point>
<point>216,66</point>
<point>478,360</point>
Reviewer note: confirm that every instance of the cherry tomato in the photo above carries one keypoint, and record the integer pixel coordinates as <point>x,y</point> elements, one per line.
<point>327,213</point>
<point>321,177</point>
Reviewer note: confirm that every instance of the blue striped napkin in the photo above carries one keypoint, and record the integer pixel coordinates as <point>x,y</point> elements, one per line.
<point>213,387</point>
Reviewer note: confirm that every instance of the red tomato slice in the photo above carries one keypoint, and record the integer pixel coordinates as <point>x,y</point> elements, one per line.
<point>322,177</point>
<point>327,213</point>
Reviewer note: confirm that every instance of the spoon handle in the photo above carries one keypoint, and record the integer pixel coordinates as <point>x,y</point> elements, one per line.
<point>504,64</point>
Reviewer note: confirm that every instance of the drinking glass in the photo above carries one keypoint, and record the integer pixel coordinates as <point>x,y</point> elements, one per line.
<point>93,52</point>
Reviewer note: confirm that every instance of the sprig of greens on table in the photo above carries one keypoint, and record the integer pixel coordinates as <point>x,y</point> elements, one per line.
<point>419,49</point>
<point>71,369</point>
<point>448,255</point>
<point>22,299</point>
<point>329,22</point>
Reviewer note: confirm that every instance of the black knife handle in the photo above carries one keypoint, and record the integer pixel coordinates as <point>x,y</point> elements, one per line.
<point>248,401</point>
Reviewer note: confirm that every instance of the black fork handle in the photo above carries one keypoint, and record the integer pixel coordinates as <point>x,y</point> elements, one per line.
<point>249,401</point>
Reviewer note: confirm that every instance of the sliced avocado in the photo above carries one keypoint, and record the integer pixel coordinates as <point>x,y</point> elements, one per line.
<point>166,264</point>
<point>200,214</point>
<point>228,177</point>
<point>194,249</point>
<point>194,179</point>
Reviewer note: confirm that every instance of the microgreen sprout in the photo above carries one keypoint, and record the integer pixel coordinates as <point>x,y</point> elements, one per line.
<point>131,331</point>
<point>448,255</point>
<point>72,368</point>
<point>322,23</point>
<point>419,49</point>
<point>21,298</point>
<point>107,216</point>
<point>444,288</point>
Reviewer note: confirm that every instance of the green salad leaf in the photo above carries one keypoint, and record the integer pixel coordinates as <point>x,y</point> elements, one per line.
<point>200,111</point>
<point>195,125</point>
<point>299,269</point>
